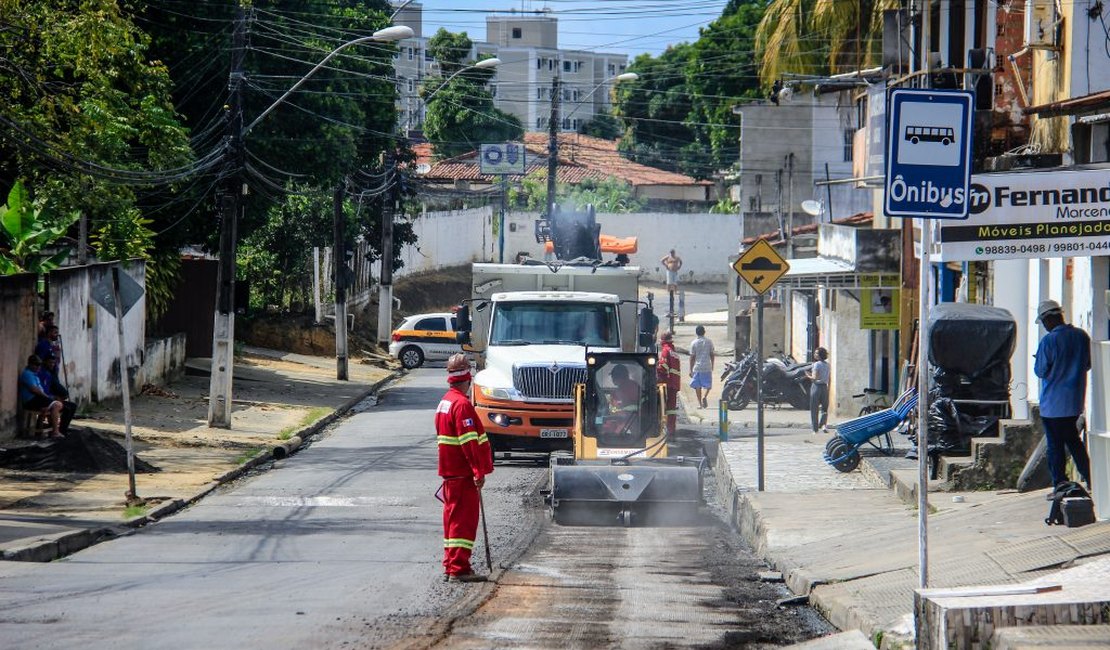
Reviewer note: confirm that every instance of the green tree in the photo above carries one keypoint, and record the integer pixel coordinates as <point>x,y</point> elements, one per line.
<point>815,37</point>
<point>603,126</point>
<point>461,114</point>
<point>28,230</point>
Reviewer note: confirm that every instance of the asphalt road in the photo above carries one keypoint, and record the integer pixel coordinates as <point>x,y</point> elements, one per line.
<point>338,546</point>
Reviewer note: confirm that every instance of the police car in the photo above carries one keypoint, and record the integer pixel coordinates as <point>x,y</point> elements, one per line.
<point>424,337</point>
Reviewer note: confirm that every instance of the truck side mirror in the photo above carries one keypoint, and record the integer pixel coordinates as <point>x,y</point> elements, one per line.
<point>646,326</point>
<point>462,325</point>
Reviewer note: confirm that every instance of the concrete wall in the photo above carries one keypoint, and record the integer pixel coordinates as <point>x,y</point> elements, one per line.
<point>90,342</point>
<point>20,326</point>
<point>849,350</point>
<point>448,238</point>
<point>163,361</point>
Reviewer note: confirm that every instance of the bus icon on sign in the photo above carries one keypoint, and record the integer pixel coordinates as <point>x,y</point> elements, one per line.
<point>942,134</point>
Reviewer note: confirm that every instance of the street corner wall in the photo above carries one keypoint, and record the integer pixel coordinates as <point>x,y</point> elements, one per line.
<point>90,341</point>
<point>849,351</point>
<point>163,361</point>
<point>449,238</point>
<point>20,322</point>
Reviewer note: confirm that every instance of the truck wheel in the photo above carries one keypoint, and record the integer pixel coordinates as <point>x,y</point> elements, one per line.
<point>411,357</point>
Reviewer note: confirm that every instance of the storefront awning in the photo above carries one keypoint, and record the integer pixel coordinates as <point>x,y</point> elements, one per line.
<point>832,273</point>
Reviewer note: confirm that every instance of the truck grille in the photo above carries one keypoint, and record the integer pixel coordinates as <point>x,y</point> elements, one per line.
<point>540,382</point>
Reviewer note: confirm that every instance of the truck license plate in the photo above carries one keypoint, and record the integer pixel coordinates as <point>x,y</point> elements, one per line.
<point>553,433</point>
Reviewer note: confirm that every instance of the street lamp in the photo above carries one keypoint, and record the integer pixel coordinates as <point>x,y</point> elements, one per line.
<point>223,337</point>
<point>389,34</point>
<point>624,76</point>
<point>385,284</point>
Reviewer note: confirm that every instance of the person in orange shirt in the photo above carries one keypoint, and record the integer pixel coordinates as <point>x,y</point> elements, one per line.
<point>465,458</point>
<point>669,371</point>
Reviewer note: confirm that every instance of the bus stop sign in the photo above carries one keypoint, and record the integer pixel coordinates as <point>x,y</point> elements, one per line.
<point>928,154</point>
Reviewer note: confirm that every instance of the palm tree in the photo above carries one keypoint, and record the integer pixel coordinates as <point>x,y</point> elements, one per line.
<point>819,36</point>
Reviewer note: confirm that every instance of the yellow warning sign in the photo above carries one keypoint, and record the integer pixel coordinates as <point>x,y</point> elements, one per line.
<point>761,266</point>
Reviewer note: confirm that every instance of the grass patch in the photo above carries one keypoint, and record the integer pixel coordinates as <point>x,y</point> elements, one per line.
<point>314,414</point>
<point>130,512</point>
<point>247,455</point>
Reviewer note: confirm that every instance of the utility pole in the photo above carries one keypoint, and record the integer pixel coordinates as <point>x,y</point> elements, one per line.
<point>223,331</point>
<point>785,236</point>
<point>553,145</point>
<point>790,205</point>
<point>339,236</point>
<point>385,288</point>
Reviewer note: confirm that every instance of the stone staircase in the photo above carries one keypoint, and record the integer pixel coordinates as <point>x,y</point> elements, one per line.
<point>994,463</point>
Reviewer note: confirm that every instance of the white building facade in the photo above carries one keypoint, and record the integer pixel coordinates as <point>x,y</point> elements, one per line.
<point>528,47</point>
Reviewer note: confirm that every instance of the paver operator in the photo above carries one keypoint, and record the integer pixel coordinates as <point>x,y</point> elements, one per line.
<point>669,371</point>
<point>465,459</point>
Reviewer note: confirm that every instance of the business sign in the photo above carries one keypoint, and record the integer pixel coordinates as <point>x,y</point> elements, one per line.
<point>928,154</point>
<point>761,266</point>
<point>501,158</point>
<point>876,130</point>
<point>878,308</point>
<point>1032,214</point>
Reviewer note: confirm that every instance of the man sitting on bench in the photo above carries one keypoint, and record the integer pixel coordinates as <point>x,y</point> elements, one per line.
<point>36,400</point>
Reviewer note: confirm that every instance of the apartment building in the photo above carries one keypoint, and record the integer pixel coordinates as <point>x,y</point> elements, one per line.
<point>528,46</point>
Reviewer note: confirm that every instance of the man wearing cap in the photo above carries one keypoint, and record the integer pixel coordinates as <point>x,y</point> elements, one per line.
<point>669,371</point>
<point>1062,360</point>
<point>464,460</point>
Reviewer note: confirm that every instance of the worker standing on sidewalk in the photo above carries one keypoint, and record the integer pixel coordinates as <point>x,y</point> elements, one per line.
<point>669,371</point>
<point>464,460</point>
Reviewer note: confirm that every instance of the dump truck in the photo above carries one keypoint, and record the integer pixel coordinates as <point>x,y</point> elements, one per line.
<point>531,324</point>
<point>620,472</point>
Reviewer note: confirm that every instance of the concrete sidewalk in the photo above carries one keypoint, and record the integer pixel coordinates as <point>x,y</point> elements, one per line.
<point>278,399</point>
<point>851,544</point>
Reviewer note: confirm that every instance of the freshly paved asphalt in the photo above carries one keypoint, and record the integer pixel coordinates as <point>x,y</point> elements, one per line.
<point>337,546</point>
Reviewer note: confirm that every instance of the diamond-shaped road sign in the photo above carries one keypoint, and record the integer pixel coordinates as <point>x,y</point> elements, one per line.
<point>761,266</point>
<point>129,293</point>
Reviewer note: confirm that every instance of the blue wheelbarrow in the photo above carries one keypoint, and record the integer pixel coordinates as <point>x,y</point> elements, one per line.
<point>842,451</point>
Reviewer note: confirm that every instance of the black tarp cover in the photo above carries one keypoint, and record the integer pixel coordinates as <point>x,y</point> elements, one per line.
<point>968,339</point>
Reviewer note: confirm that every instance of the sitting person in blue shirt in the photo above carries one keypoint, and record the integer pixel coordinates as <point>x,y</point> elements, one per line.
<point>35,399</point>
<point>53,386</point>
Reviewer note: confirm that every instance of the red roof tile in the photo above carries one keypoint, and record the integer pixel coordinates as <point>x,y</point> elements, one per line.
<point>581,157</point>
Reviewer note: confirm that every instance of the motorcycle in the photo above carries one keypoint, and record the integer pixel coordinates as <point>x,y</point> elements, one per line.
<point>783,383</point>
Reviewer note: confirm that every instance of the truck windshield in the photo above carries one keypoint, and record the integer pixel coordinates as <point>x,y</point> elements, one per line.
<point>522,323</point>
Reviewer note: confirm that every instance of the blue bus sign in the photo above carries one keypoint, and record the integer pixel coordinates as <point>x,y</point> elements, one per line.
<point>928,154</point>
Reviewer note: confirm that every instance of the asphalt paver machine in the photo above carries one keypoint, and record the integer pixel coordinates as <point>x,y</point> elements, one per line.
<point>620,472</point>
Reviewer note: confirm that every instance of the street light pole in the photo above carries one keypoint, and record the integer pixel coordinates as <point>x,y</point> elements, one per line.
<point>553,129</point>
<point>385,282</point>
<point>223,331</point>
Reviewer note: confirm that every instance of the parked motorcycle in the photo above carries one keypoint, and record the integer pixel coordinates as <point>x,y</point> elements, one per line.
<point>783,383</point>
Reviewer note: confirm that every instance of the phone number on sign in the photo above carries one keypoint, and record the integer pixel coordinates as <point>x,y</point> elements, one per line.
<point>1063,247</point>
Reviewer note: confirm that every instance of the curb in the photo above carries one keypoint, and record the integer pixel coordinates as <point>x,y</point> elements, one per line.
<point>47,548</point>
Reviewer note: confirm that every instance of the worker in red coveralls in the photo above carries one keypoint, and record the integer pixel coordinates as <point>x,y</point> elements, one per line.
<point>464,460</point>
<point>668,371</point>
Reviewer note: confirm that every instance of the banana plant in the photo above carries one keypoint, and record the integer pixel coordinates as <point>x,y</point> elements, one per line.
<point>25,230</point>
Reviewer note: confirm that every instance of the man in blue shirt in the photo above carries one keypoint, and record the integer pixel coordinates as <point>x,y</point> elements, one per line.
<point>35,399</point>
<point>1062,361</point>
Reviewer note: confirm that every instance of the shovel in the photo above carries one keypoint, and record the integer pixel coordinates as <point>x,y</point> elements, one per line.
<point>485,531</point>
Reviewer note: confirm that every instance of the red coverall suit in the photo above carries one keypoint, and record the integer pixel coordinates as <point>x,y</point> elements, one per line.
<point>669,372</point>
<point>464,457</point>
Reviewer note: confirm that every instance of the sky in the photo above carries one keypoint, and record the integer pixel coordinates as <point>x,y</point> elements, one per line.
<point>621,26</point>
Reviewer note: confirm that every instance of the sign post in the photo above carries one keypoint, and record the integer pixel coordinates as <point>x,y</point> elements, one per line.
<point>761,267</point>
<point>118,295</point>
<point>928,176</point>
<point>502,159</point>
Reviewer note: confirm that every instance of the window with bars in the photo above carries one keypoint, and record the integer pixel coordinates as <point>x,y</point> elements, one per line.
<point>849,142</point>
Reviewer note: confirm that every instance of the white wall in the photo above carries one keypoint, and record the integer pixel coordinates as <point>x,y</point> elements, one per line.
<point>703,241</point>
<point>448,238</point>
